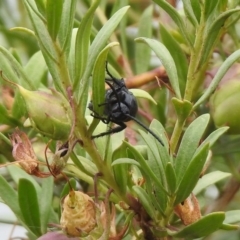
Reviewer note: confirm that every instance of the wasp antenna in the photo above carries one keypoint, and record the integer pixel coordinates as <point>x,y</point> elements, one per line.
<point>112,79</point>
<point>146,128</point>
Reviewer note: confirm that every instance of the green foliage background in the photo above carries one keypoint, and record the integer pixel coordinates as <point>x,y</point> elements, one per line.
<point>64,45</point>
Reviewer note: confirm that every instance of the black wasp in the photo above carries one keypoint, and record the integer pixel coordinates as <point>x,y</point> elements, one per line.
<point>120,106</point>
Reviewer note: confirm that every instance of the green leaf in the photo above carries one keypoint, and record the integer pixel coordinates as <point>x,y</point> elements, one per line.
<point>209,8</point>
<point>204,227</point>
<point>125,161</point>
<point>82,42</point>
<point>189,144</point>
<point>41,5</point>
<point>45,202</point>
<point>171,178</point>
<point>71,57</point>
<point>121,172</point>
<point>167,61</point>
<point>54,13</point>
<point>232,216</point>
<point>183,108</point>
<point>28,202</point>
<point>98,82</point>
<point>17,173</point>
<point>10,197</point>
<point>209,179</point>
<point>6,119</point>
<point>45,42</point>
<point>95,48</point>
<point>9,66</point>
<point>189,12</point>
<point>213,32</point>
<point>191,175</point>
<point>196,9</point>
<point>145,200</point>
<point>155,162</point>
<point>214,136</point>
<point>40,29</point>
<point>178,55</point>
<point>66,26</point>
<point>229,227</point>
<point>176,18</point>
<point>142,52</point>
<point>218,77</point>
<point>159,130</point>
<point>139,93</point>
<point>36,69</point>
<point>144,166</point>
<point>190,141</point>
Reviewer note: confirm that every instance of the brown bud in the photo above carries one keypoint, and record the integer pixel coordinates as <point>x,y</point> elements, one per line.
<point>189,210</point>
<point>23,152</point>
<point>78,214</point>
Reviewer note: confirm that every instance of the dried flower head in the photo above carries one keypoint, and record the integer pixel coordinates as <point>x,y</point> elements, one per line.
<point>78,214</point>
<point>23,152</point>
<point>189,210</point>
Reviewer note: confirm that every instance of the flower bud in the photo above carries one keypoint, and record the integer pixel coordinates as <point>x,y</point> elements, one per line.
<point>78,217</point>
<point>224,105</point>
<point>49,113</point>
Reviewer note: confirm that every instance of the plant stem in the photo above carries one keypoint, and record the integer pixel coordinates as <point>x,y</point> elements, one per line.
<point>196,53</point>
<point>62,68</point>
<point>178,128</point>
<point>107,175</point>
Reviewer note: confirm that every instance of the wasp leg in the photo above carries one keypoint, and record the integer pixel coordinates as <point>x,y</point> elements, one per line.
<point>117,129</point>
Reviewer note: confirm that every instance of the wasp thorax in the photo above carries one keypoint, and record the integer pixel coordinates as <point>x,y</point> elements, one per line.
<point>78,214</point>
<point>49,112</point>
<point>23,152</point>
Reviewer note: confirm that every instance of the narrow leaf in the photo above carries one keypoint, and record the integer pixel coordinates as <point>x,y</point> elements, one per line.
<point>45,202</point>
<point>144,166</point>
<point>218,77</point>
<point>83,41</point>
<point>54,13</point>
<point>36,69</point>
<point>171,178</point>
<point>196,9</point>
<point>45,42</point>
<point>178,55</point>
<point>189,12</point>
<point>121,172</point>
<point>28,202</point>
<point>209,179</point>
<point>189,144</point>
<point>232,216</point>
<point>66,26</point>
<point>191,175</point>
<point>213,33</point>
<point>167,61</point>
<point>98,84</point>
<point>142,52</point>
<point>205,226</point>
<point>125,161</point>
<point>10,197</point>
<point>145,200</point>
<point>176,18</point>
<point>209,7</point>
<point>17,173</point>
<point>139,93</point>
<point>9,64</point>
